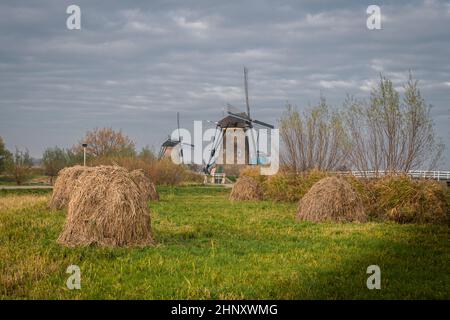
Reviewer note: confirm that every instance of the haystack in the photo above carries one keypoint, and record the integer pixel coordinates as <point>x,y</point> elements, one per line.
<point>146,186</point>
<point>331,199</point>
<point>64,184</point>
<point>246,188</point>
<point>107,209</point>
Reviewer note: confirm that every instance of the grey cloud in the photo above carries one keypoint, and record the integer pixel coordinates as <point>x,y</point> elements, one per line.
<point>135,64</point>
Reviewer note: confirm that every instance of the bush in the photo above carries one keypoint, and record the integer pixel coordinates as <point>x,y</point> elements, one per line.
<point>161,172</point>
<point>404,200</point>
<point>282,187</point>
<point>286,186</point>
<point>190,176</point>
<point>253,172</point>
<point>165,172</point>
<point>396,198</point>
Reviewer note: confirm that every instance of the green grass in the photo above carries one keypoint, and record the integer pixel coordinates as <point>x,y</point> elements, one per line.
<point>209,248</point>
<point>5,192</point>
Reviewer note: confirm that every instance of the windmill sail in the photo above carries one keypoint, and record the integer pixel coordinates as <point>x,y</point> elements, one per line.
<point>247,103</point>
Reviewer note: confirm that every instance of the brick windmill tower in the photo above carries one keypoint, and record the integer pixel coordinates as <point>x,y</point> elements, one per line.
<point>231,144</point>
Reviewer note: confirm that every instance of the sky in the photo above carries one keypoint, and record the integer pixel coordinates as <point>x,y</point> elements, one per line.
<point>134,64</point>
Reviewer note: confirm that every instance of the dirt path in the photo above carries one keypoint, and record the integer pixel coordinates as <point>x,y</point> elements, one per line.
<point>24,187</point>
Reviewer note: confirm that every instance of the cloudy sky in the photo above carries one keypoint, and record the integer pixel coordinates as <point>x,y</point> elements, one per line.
<point>134,64</point>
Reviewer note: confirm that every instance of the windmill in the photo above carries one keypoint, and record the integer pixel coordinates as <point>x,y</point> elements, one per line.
<point>170,144</point>
<point>236,121</point>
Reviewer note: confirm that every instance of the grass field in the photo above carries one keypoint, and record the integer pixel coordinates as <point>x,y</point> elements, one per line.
<point>210,248</point>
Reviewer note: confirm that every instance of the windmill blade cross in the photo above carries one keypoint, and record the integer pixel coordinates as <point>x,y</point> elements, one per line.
<point>179,137</point>
<point>178,126</point>
<point>187,144</point>
<point>251,121</point>
<point>247,103</point>
<point>261,123</point>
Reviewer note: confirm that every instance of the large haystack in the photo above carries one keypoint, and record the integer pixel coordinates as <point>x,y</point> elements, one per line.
<point>145,185</point>
<point>64,184</point>
<point>107,209</point>
<point>246,188</point>
<point>331,199</point>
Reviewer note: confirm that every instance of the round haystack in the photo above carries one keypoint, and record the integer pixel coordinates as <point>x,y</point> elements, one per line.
<point>331,199</point>
<point>107,209</point>
<point>64,184</point>
<point>146,186</point>
<point>246,188</point>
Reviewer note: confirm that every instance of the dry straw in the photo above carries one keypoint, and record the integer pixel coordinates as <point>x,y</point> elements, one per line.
<point>331,199</point>
<point>107,209</point>
<point>246,188</point>
<point>64,184</point>
<point>146,186</point>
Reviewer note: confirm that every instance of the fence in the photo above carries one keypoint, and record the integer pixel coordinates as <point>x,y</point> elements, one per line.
<point>415,174</point>
<point>217,178</point>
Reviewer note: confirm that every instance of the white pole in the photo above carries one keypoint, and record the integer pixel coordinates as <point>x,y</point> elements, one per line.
<point>84,156</point>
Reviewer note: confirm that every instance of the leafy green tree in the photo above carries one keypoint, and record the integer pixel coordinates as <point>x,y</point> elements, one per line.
<point>19,166</point>
<point>53,160</point>
<point>5,156</point>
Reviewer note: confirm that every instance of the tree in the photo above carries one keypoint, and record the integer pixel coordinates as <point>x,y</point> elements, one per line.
<point>314,139</point>
<point>422,145</point>
<point>105,142</point>
<point>73,157</point>
<point>5,156</point>
<point>390,134</point>
<point>54,159</point>
<point>19,166</point>
<point>363,155</point>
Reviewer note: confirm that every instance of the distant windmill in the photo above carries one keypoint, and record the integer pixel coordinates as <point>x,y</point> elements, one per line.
<point>234,122</point>
<point>170,144</point>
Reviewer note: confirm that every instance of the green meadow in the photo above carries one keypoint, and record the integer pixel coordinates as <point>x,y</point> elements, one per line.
<point>211,248</point>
